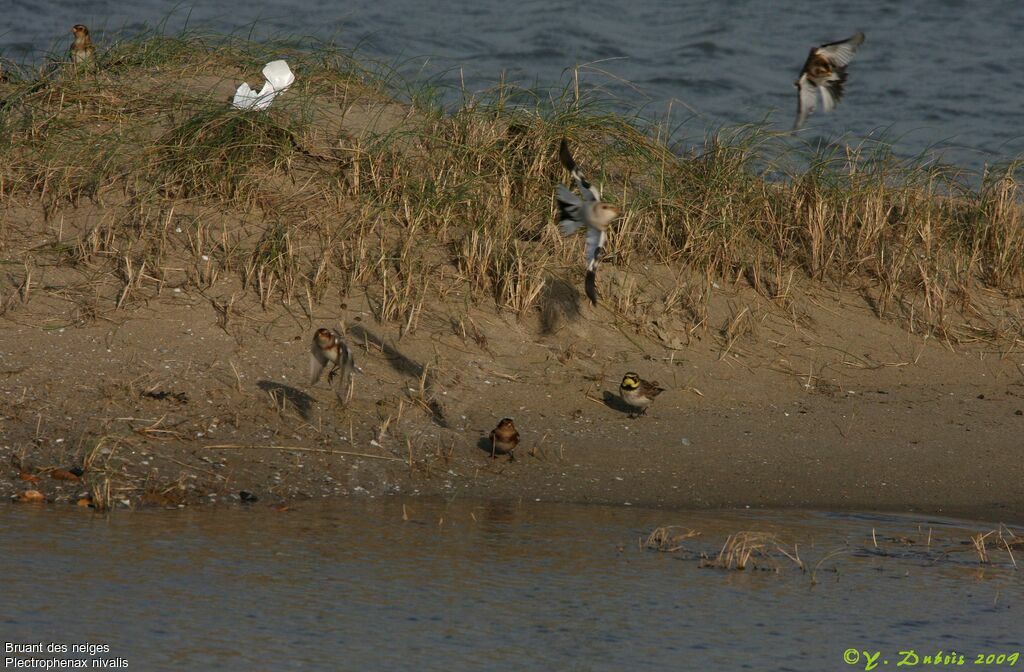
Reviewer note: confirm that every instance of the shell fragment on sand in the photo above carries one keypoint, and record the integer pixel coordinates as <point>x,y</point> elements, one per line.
<point>279,77</point>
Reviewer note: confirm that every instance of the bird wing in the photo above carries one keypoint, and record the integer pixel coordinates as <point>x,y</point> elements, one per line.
<point>653,389</point>
<point>346,365</point>
<point>841,53</point>
<point>807,100</point>
<point>565,156</point>
<point>832,89</point>
<point>317,362</point>
<point>590,286</point>
<point>570,210</point>
<point>596,240</point>
<point>830,94</point>
<point>587,190</point>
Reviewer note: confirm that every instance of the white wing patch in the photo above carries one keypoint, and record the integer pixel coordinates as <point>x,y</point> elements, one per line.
<point>807,100</point>
<point>828,103</point>
<point>841,53</point>
<point>589,191</point>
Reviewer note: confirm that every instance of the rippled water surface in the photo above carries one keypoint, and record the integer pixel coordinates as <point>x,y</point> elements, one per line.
<point>491,586</point>
<point>933,73</point>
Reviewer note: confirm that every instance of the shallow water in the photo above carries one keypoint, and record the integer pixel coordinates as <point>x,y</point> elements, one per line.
<point>933,73</point>
<point>489,586</point>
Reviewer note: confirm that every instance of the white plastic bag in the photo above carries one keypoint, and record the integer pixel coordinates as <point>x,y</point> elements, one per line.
<point>279,77</point>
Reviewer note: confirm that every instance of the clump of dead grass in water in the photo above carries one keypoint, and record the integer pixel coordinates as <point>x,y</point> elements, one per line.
<point>668,539</point>
<point>758,550</point>
<point>1001,539</point>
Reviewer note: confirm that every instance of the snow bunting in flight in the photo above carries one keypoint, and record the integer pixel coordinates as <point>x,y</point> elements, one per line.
<point>824,72</point>
<point>328,347</point>
<point>575,212</point>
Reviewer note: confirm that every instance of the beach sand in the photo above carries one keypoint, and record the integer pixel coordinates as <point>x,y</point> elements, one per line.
<point>152,334</point>
<point>843,411</point>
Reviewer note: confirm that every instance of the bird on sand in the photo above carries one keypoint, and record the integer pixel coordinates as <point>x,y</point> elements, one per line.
<point>504,439</point>
<point>824,74</point>
<point>81,49</point>
<point>586,210</point>
<point>329,347</point>
<point>638,392</point>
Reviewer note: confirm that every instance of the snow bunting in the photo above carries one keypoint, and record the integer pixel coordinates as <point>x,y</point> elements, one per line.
<point>824,72</point>
<point>279,77</point>
<point>328,347</point>
<point>637,392</point>
<point>575,212</point>
<point>504,439</point>
<point>81,49</point>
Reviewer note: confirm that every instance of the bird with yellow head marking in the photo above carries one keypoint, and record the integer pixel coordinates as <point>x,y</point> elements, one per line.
<point>638,393</point>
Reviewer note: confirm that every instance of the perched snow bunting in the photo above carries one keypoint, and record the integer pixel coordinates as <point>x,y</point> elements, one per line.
<point>329,348</point>
<point>824,72</point>
<point>279,77</point>
<point>504,439</point>
<point>575,212</point>
<point>81,49</point>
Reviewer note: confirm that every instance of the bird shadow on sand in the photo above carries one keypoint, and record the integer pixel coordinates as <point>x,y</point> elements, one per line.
<point>403,365</point>
<point>484,444</point>
<point>615,402</point>
<point>302,402</point>
<point>559,302</point>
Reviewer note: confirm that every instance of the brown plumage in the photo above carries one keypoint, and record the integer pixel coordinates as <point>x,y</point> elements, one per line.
<point>638,392</point>
<point>81,49</point>
<point>29,496</point>
<point>329,347</point>
<point>74,474</point>
<point>504,439</point>
<point>824,73</point>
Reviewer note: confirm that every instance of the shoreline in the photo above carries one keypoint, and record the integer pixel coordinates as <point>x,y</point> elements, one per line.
<point>892,438</point>
<point>845,338</point>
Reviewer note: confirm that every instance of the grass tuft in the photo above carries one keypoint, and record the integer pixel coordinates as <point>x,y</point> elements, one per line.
<point>361,180</point>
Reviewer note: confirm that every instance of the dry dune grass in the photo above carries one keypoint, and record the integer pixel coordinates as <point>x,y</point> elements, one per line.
<point>338,188</point>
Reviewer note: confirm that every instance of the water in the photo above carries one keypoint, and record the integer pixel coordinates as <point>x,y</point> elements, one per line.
<point>488,586</point>
<point>933,73</point>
